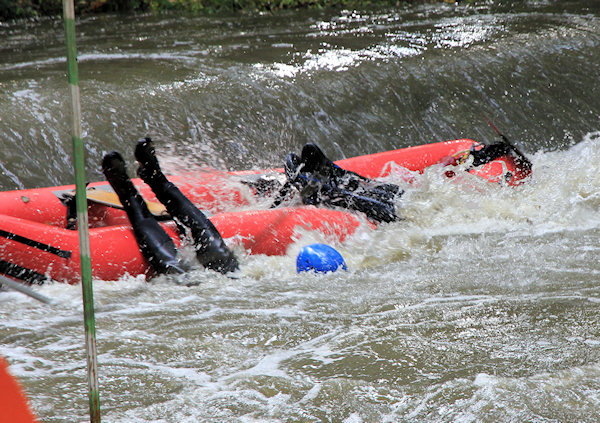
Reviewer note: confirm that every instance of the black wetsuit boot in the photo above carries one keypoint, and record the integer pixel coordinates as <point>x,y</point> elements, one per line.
<point>156,245</point>
<point>211,250</point>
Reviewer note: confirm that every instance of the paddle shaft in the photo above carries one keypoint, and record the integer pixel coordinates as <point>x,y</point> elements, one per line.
<point>16,286</point>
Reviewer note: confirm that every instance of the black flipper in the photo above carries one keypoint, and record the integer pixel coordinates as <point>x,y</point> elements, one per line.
<point>211,250</point>
<point>156,245</point>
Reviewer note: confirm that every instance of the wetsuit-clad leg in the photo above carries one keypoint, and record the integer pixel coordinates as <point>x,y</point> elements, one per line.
<point>156,245</point>
<point>211,250</point>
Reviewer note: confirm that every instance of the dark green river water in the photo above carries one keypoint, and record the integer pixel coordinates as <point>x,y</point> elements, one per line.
<point>481,306</point>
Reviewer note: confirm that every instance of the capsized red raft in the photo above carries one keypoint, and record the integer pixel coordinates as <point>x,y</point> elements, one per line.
<point>35,244</point>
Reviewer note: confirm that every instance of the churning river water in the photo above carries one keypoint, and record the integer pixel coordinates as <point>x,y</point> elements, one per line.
<point>482,305</point>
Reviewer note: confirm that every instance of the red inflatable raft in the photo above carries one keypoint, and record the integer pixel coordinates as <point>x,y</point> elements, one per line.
<point>35,244</point>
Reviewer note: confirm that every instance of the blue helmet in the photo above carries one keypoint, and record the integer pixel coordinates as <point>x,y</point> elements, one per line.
<point>319,258</point>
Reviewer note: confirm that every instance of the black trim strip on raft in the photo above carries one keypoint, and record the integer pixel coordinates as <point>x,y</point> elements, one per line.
<point>22,273</point>
<point>36,244</point>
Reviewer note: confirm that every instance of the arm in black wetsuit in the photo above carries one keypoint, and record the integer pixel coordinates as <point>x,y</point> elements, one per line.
<point>320,181</point>
<point>503,148</point>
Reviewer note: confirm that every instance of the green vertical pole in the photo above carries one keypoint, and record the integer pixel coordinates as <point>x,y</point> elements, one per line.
<point>82,216</point>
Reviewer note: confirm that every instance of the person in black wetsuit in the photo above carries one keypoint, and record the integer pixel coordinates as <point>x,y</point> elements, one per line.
<point>320,181</point>
<point>156,245</point>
